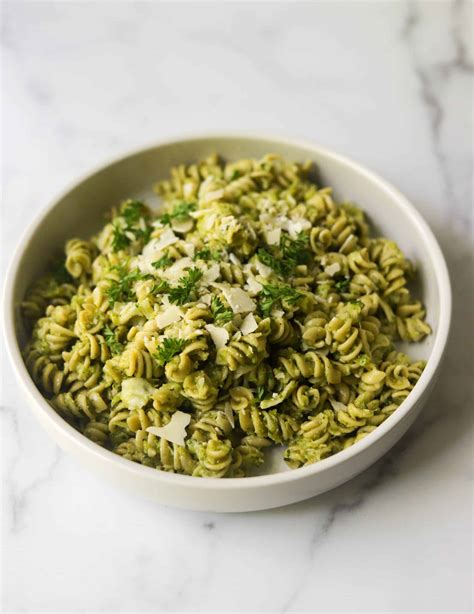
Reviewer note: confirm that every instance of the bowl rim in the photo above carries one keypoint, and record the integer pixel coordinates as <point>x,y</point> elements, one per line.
<point>83,444</point>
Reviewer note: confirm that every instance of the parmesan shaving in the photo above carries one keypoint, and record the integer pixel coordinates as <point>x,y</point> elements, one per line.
<point>211,274</point>
<point>166,238</point>
<point>253,286</point>
<point>273,236</point>
<point>337,405</point>
<point>263,269</point>
<point>332,269</point>
<point>175,430</point>
<point>233,258</point>
<point>172,315</point>
<point>218,334</point>
<point>182,226</point>
<point>229,414</point>
<point>239,300</point>
<point>249,324</point>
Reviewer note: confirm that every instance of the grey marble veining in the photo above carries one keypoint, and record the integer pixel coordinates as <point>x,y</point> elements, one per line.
<point>388,83</point>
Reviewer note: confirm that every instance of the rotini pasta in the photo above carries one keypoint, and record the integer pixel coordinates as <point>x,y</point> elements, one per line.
<point>252,310</point>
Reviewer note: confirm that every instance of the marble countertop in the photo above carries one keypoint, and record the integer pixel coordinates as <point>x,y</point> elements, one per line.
<point>387,83</point>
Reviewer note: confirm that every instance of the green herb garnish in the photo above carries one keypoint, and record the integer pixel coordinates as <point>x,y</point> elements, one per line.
<point>171,346</point>
<point>273,294</point>
<point>288,256</point>
<point>122,289</point>
<point>179,212</point>
<point>260,393</point>
<point>128,222</point>
<point>208,254</point>
<point>183,293</point>
<point>342,285</point>
<point>235,175</point>
<point>111,340</point>
<point>220,312</point>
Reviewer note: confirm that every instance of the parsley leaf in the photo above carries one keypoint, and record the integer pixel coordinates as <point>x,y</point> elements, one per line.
<point>128,222</point>
<point>122,289</point>
<point>235,175</point>
<point>179,212</point>
<point>111,340</point>
<point>290,254</point>
<point>342,285</point>
<point>220,313</point>
<point>184,292</point>
<point>274,294</point>
<point>171,346</point>
<point>260,393</point>
<point>208,254</point>
<point>163,262</point>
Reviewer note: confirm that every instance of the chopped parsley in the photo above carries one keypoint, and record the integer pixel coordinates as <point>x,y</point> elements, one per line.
<point>185,291</point>
<point>111,340</point>
<point>122,289</point>
<point>208,254</point>
<point>235,175</point>
<point>289,254</point>
<point>127,225</point>
<point>179,212</point>
<point>343,285</point>
<point>220,312</point>
<point>260,393</point>
<point>272,294</point>
<point>163,262</point>
<point>170,347</point>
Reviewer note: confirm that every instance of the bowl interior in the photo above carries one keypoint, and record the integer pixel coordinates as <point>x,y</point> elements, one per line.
<point>80,212</point>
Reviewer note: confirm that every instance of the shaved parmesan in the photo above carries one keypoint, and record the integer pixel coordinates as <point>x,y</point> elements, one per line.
<point>215,195</point>
<point>182,225</point>
<point>218,334</point>
<point>337,405</point>
<point>253,286</point>
<point>174,272</point>
<point>332,269</point>
<point>175,430</point>
<point>211,274</point>
<point>135,392</point>
<point>233,258</point>
<point>239,300</point>
<point>249,324</point>
<point>278,313</point>
<point>273,236</point>
<point>263,269</point>
<point>206,299</point>
<point>189,249</point>
<point>172,314</point>
<point>229,414</point>
<point>166,238</point>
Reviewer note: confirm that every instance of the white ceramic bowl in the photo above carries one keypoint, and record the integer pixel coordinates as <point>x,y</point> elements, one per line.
<point>79,212</point>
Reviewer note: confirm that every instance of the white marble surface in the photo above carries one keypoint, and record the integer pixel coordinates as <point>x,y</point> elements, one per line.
<point>389,84</point>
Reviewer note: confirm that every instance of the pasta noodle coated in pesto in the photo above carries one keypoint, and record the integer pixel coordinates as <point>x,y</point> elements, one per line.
<point>252,311</point>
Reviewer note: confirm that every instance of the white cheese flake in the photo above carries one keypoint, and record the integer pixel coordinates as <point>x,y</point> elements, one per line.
<point>278,313</point>
<point>239,300</point>
<point>337,405</point>
<point>252,286</point>
<point>230,414</point>
<point>166,238</point>
<point>211,274</point>
<point>182,226</point>
<point>189,249</point>
<point>249,325</point>
<point>177,270</point>
<point>135,392</point>
<point>332,269</point>
<point>273,236</point>
<point>206,299</point>
<point>263,269</point>
<point>175,430</point>
<point>171,315</point>
<point>233,258</point>
<point>218,334</point>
